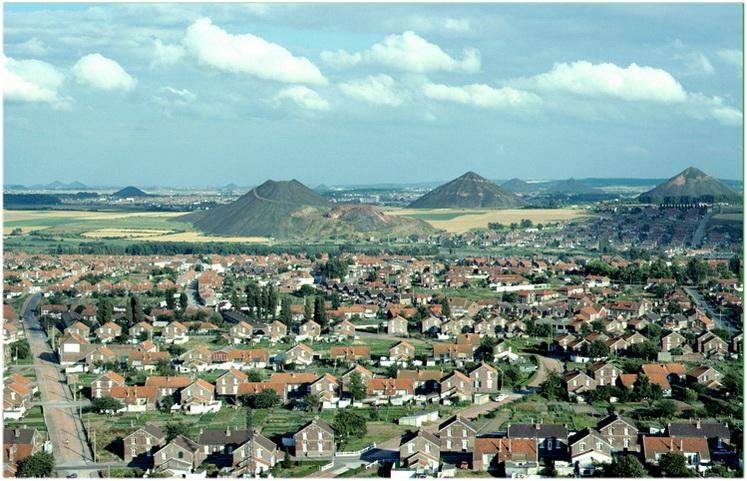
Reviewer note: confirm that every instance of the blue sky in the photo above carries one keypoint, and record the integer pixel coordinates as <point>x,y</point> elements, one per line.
<point>189,95</point>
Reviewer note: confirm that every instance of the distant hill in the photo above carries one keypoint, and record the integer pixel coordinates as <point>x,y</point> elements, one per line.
<point>468,191</point>
<point>289,209</point>
<point>129,191</point>
<point>518,186</point>
<point>690,185</point>
<point>569,186</point>
<point>229,188</point>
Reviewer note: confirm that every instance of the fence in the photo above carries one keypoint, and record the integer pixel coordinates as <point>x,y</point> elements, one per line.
<point>356,453</point>
<point>327,466</point>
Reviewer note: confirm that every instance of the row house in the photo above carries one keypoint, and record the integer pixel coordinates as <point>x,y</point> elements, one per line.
<point>315,439</point>
<point>420,451</point>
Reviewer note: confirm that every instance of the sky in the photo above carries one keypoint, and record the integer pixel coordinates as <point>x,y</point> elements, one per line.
<point>207,95</point>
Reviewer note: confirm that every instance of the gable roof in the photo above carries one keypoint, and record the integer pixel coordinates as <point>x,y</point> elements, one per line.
<point>457,418</point>
<point>529,431</point>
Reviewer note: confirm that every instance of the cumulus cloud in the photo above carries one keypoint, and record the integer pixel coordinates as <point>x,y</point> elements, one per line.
<point>408,52</point>
<point>304,97</point>
<point>632,83</point>
<point>374,89</point>
<point>102,73</point>
<point>165,54</point>
<point>34,47</point>
<point>485,96</point>
<point>248,54</point>
<point>32,81</point>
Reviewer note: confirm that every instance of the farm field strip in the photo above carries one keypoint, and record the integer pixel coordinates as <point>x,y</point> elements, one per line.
<point>458,220</point>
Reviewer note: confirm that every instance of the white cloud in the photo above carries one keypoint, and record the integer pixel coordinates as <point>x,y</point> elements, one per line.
<point>165,54</point>
<point>485,96</point>
<point>434,24</point>
<point>632,83</point>
<point>249,54</point>
<point>702,107</point>
<point>170,98</point>
<point>732,57</point>
<point>32,81</point>
<point>304,97</point>
<point>408,52</point>
<point>374,89</point>
<point>34,47</point>
<point>695,63</point>
<point>102,73</point>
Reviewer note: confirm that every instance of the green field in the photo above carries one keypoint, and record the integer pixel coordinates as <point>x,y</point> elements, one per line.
<point>441,215</point>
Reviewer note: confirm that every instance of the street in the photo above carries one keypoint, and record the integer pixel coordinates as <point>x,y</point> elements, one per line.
<point>62,420</point>
<point>721,320</point>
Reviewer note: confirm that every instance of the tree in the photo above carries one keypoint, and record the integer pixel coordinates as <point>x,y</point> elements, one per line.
<point>134,312</point>
<point>183,301</point>
<point>598,349</point>
<point>720,470</point>
<point>106,405</point>
<point>552,387</point>
<point>104,311</point>
<point>254,376</point>
<point>38,465</point>
<point>170,293</point>
<point>349,424</point>
<point>308,308</point>
<point>265,399</point>
<point>311,402</point>
<point>173,430</point>
<point>320,315</point>
<point>666,408</point>
<point>674,465</point>
<point>625,467</point>
<point>165,404</point>
<point>21,349</point>
<point>487,348</point>
<point>445,308</point>
<point>357,386</point>
<point>696,270</point>
<point>286,314</point>
<point>735,263</point>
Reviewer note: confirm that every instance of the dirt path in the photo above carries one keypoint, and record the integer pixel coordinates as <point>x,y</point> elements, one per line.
<point>546,365</point>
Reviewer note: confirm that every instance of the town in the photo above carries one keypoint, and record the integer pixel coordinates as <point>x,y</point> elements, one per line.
<point>373,365</point>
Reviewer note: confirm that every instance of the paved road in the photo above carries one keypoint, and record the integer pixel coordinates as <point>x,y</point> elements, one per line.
<point>722,321</point>
<point>546,365</point>
<point>192,298</point>
<point>700,231</point>
<point>63,423</point>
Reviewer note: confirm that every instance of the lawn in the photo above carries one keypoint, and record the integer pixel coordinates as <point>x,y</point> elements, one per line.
<point>34,418</point>
<point>299,469</point>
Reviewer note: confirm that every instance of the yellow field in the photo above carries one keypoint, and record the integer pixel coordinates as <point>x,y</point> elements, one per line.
<point>199,237</point>
<point>464,220</point>
<point>125,233</point>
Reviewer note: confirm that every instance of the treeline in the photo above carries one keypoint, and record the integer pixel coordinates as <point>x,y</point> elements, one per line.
<point>30,199</point>
<point>229,248</point>
<point>696,271</point>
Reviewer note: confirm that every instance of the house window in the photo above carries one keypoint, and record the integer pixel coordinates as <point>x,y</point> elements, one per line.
<point>410,448</point>
<point>583,446</point>
<point>181,455</point>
